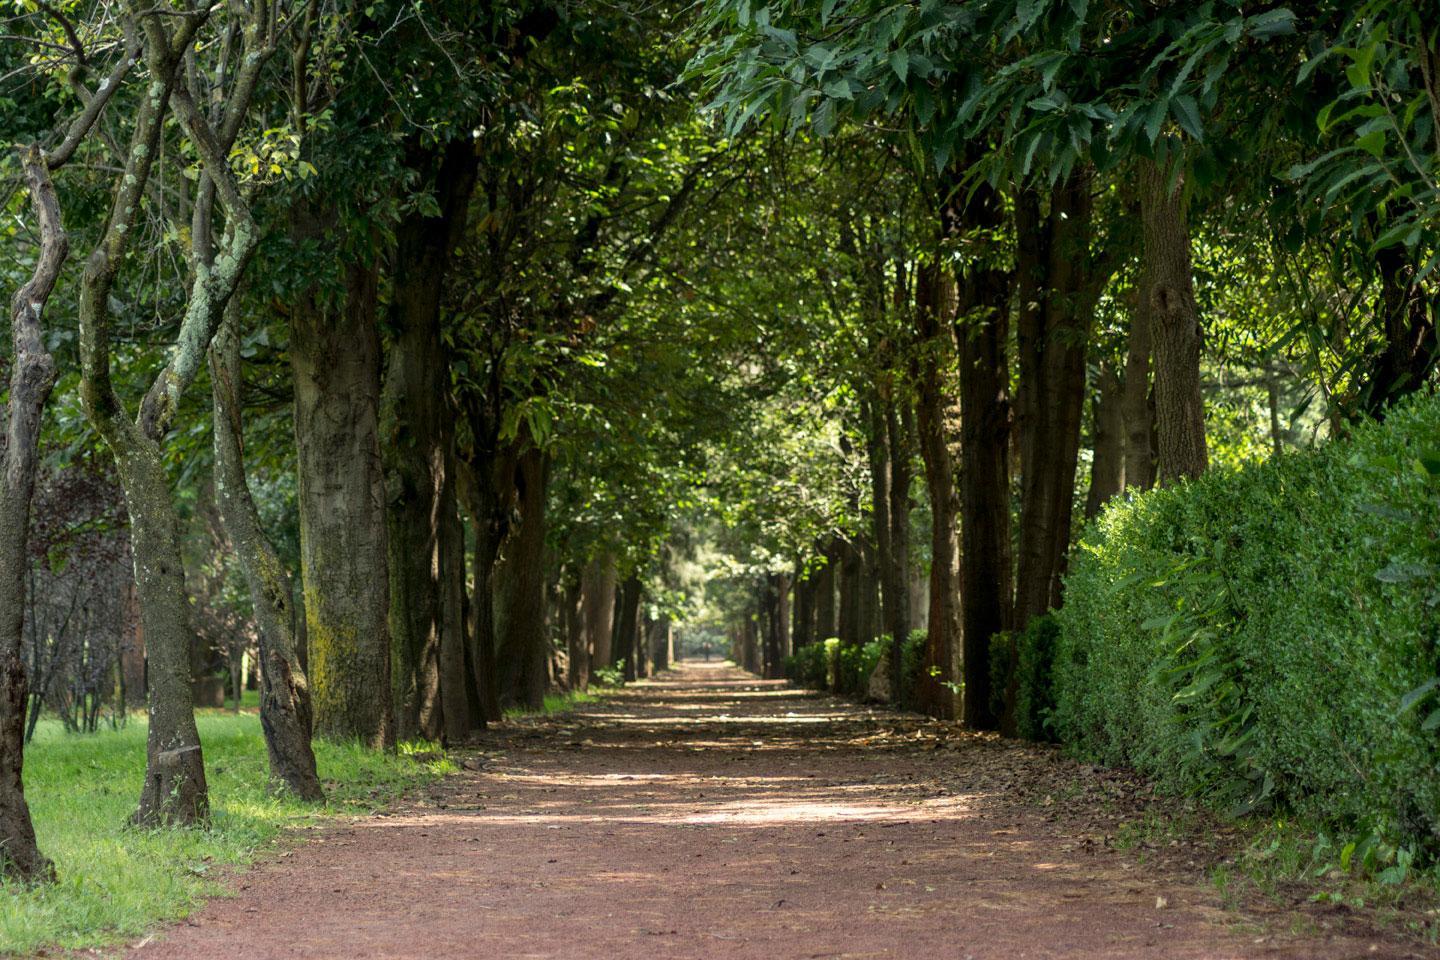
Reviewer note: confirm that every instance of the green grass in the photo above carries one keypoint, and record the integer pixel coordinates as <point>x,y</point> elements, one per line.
<point>116,881</point>
<point>555,703</point>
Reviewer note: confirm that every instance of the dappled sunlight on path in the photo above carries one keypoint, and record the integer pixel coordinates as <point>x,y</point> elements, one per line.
<point>711,814</point>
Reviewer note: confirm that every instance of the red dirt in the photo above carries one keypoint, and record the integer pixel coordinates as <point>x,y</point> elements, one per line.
<point>711,815</point>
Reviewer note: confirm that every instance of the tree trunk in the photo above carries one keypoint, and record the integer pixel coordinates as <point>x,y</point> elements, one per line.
<point>802,632</point>
<point>627,622</point>
<point>456,683</point>
<point>942,638</point>
<point>522,652</point>
<point>824,595</point>
<point>1137,401</point>
<point>1179,407</point>
<point>897,582</point>
<point>851,594</point>
<point>1058,288</point>
<point>981,331</point>
<point>599,603</point>
<point>661,644</point>
<point>335,356</point>
<point>1411,349</point>
<point>878,448</point>
<point>577,645</point>
<point>779,625</point>
<point>32,376</point>
<point>488,501</point>
<point>414,415</point>
<point>1107,469</point>
<point>285,712</point>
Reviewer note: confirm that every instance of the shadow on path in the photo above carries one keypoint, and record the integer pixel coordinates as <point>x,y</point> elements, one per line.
<point>709,814</point>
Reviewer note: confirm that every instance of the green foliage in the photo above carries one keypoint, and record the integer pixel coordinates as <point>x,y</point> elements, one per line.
<point>809,667</point>
<point>608,676</point>
<point>1025,660</point>
<point>115,881</point>
<point>829,666</point>
<point>1268,636</point>
<point>912,664</point>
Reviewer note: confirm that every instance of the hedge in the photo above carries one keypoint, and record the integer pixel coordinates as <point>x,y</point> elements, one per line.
<point>1268,636</point>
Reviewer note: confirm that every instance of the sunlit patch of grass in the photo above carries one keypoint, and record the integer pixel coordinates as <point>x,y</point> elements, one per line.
<point>555,703</point>
<point>115,881</point>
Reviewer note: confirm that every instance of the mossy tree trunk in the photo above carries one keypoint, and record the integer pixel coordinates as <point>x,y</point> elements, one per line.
<point>285,711</point>
<point>174,790</point>
<point>335,358</point>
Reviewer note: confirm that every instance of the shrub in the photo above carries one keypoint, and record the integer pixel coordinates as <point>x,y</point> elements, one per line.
<point>912,666</point>
<point>854,664</point>
<point>1027,664</point>
<point>807,666</point>
<point>1269,635</point>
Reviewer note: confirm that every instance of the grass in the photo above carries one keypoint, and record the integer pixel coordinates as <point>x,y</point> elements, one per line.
<point>116,881</point>
<point>554,703</point>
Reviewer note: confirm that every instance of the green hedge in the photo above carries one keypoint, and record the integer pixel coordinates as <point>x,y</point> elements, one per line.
<point>1034,693</point>
<point>829,666</point>
<point>1269,635</point>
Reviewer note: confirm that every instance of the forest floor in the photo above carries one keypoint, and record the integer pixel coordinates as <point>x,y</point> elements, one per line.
<point>708,814</point>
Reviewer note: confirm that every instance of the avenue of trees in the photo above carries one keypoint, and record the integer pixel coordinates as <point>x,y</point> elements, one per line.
<point>410,361</point>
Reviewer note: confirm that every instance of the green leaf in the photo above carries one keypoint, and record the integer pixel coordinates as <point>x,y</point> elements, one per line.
<point>1414,697</point>
<point>1432,722</point>
<point>1187,114</point>
<point>1373,143</point>
<point>1154,118</point>
<point>900,63</point>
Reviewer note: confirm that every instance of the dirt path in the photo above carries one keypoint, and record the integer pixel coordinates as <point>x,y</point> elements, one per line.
<point>712,815</point>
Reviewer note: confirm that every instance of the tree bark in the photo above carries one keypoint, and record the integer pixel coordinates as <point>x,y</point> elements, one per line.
<point>521,656</point>
<point>897,581</point>
<point>942,639</point>
<point>802,631</point>
<point>174,790</point>
<point>285,711</point>
<point>335,357</point>
<point>1058,287</point>
<point>826,626</point>
<point>1408,320</point>
<point>32,377</point>
<point>627,622</point>
<point>414,414</point>
<point>577,645</point>
<point>456,684</point>
<point>981,332</point>
<point>488,501</point>
<point>1179,406</point>
<point>1107,468</point>
<point>599,607</point>
<point>1137,400</point>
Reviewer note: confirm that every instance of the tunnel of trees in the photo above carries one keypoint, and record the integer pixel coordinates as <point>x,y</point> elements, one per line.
<point>1026,363</point>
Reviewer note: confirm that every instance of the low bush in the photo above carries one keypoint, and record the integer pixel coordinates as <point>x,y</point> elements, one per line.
<point>830,666</point>
<point>912,667</point>
<point>808,667</point>
<point>1268,636</point>
<point>1021,678</point>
